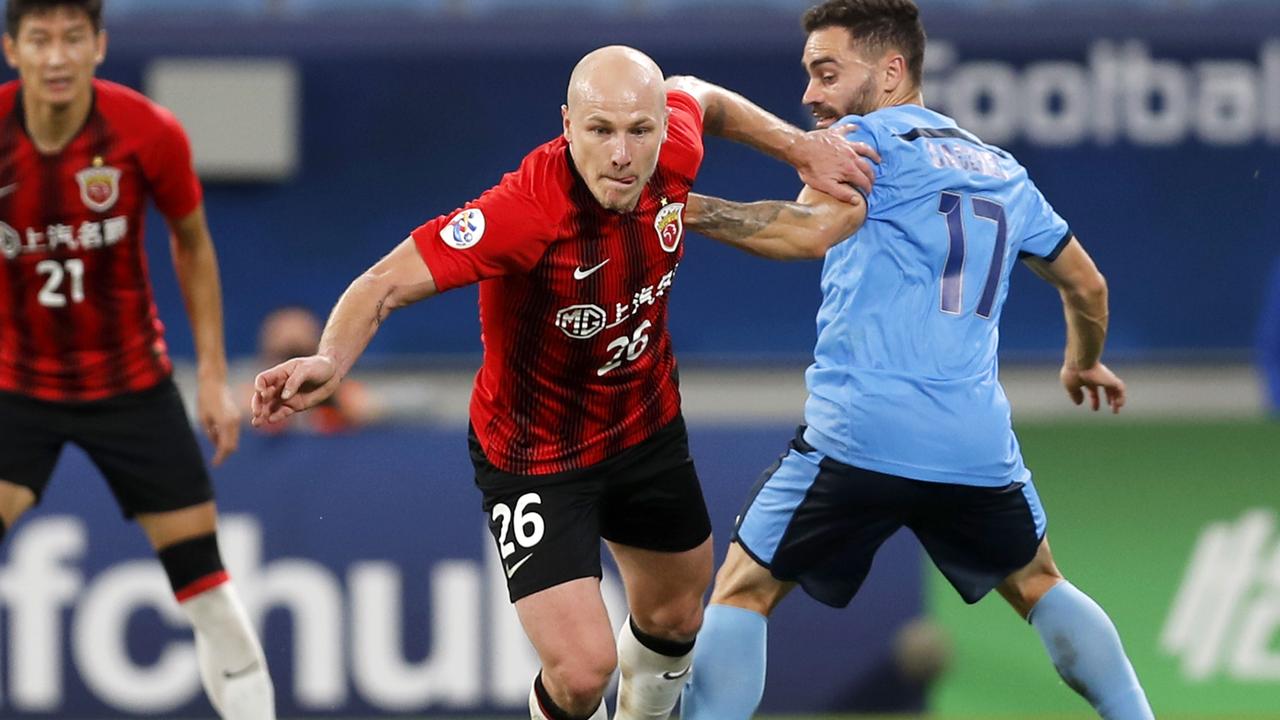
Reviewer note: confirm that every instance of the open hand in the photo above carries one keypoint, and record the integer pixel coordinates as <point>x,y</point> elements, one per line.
<point>1078,383</point>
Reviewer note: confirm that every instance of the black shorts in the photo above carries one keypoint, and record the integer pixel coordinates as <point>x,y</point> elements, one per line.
<point>142,442</point>
<point>548,527</point>
<point>816,521</point>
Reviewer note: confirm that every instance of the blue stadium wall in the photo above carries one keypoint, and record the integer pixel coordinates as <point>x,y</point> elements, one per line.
<point>1156,136</point>
<point>367,562</point>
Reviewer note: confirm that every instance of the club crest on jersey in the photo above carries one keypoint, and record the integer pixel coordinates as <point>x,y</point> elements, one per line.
<point>99,186</point>
<point>581,321</point>
<point>670,226</point>
<point>464,230</point>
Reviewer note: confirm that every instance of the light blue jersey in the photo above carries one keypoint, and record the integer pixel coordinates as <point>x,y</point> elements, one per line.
<point>904,374</point>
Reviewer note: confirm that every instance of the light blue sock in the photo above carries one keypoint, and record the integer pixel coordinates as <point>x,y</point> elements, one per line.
<point>728,666</point>
<point>1086,650</point>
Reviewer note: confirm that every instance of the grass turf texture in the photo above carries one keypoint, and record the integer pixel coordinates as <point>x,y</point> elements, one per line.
<point>1126,504</point>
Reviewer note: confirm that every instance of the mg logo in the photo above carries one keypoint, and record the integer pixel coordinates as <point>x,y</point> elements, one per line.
<point>581,321</point>
<point>1226,617</point>
<point>10,241</point>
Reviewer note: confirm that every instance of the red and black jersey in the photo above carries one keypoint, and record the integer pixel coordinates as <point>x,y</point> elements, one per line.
<point>578,362</point>
<point>77,319</point>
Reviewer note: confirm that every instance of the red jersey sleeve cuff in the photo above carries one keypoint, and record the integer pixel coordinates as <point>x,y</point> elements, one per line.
<point>689,103</point>
<point>426,239</point>
<point>183,209</point>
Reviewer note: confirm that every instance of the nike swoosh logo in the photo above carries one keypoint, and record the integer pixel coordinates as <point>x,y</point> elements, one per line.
<point>677,676</point>
<point>512,570</point>
<point>7,189</point>
<point>240,673</point>
<point>579,273</point>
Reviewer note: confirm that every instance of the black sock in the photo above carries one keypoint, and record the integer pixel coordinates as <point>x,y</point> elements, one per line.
<point>549,706</point>
<point>670,648</point>
<point>193,565</point>
<point>3,528</point>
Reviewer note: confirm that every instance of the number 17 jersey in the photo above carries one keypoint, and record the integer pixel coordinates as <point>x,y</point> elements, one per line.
<point>904,379</point>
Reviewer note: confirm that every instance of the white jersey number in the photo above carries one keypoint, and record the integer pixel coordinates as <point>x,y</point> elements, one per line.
<point>52,294</point>
<point>628,347</point>
<point>529,527</point>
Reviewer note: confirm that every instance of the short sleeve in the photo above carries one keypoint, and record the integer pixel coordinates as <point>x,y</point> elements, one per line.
<point>683,150</point>
<point>861,130</point>
<point>1046,233</point>
<point>167,164</point>
<point>505,231</point>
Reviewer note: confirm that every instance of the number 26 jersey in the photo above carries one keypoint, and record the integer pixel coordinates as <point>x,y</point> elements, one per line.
<point>578,363</point>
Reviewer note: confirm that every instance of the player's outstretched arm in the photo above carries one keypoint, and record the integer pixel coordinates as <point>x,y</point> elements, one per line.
<point>777,229</point>
<point>825,159</point>
<point>196,264</point>
<point>399,279</point>
<point>1084,300</point>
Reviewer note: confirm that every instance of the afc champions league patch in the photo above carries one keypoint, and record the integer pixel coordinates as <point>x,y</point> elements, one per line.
<point>99,186</point>
<point>670,225</point>
<point>464,230</point>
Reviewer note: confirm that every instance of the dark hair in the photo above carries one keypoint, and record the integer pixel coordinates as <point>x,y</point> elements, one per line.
<point>880,24</point>
<point>15,10</point>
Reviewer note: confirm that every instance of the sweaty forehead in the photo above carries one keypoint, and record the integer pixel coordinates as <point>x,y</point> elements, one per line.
<point>616,102</point>
<point>828,44</point>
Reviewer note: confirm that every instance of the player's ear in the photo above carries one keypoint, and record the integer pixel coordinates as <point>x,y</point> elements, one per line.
<point>102,47</point>
<point>894,72</point>
<point>666,123</point>
<point>564,117</point>
<point>10,51</point>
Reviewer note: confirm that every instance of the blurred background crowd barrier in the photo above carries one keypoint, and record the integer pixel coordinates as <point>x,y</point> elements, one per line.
<point>327,130</point>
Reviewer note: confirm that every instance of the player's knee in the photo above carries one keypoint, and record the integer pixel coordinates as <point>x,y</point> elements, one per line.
<point>743,583</point>
<point>193,566</point>
<point>747,598</point>
<point>1024,590</point>
<point>579,682</point>
<point>679,619</point>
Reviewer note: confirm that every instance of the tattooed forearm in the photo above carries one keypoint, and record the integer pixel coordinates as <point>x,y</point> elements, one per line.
<point>777,229</point>
<point>726,220</point>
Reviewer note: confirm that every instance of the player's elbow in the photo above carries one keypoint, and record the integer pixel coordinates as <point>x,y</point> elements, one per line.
<point>811,246</point>
<point>807,244</point>
<point>375,292</point>
<point>1088,292</point>
<point>830,226</point>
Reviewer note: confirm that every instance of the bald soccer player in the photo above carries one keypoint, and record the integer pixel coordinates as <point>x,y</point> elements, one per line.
<point>576,432</point>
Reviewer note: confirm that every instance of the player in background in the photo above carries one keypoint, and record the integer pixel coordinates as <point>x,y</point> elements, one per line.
<point>576,432</point>
<point>906,422</point>
<point>82,352</point>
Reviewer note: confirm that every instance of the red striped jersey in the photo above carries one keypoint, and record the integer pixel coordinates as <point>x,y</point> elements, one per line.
<point>77,320</point>
<point>578,362</point>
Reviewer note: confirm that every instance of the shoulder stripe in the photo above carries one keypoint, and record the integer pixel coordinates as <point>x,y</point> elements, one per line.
<point>917,133</point>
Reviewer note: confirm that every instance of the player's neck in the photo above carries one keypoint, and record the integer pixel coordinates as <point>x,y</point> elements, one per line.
<point>52,127</point>
<point>909,96</point>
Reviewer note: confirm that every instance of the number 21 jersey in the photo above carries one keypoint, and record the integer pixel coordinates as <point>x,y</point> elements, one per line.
<point>77,319</point>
